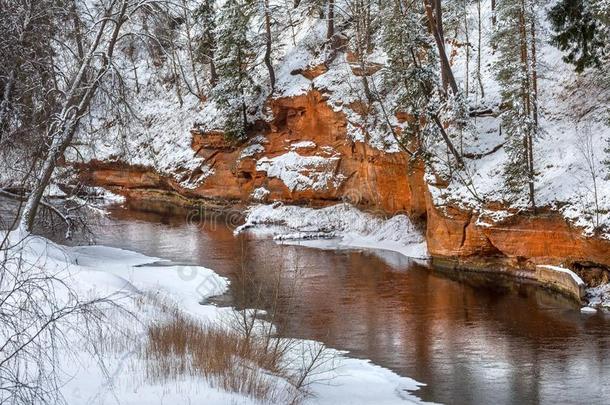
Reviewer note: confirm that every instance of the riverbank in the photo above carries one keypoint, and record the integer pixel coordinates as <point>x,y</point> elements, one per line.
<point>443,329</point>
<point>494,238</point>
<point>343,226</point>
<point>111,367</point>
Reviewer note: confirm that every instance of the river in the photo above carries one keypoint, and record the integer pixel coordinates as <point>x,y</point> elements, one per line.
<point>471,339</point>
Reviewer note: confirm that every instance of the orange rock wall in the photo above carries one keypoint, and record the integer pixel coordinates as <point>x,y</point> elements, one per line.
<point>372,179</point>
<point>545,238</point>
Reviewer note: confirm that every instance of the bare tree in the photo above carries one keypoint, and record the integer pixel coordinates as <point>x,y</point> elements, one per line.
<point>107,22</point>
<point>38,309</point>
<point>586,149</point>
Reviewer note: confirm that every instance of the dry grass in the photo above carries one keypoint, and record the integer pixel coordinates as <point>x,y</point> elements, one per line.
<point>225,358</point>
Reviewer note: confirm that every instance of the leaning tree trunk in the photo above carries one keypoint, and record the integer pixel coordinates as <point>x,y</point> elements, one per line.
<point>268,44</point>
<point>440,44</point>
<point>441,34</point>
<point>77,102</point>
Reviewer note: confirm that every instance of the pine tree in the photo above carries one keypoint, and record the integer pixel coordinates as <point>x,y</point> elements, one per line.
<point>601,13</point>
<point>235,56</point>
<point>413,70</point>
<point>516,71</point>
<point>205,16</point>
<point>578,32</point>
<point>411,65</point>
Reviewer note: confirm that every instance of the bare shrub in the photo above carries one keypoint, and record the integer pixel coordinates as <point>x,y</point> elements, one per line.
<point>587,150</point>
<point>243,353</point>
<point>40,316</point>
<point>225,358</point>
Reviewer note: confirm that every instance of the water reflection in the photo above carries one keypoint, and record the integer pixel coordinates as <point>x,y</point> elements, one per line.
<point>473,339</point>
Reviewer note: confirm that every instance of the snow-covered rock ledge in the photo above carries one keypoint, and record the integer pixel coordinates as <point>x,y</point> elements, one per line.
<point>342,223</point>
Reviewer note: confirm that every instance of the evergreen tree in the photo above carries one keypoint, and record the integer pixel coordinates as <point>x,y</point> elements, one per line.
<point>235,57</point>
<point>413,72</point>
<point>205,16</point>
<point>411,65</point>
<point>516,71</point>
<point>601,12</point>
<point>578,32</point>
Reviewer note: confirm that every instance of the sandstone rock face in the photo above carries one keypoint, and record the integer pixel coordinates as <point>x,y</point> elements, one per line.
<point>545,238</point>
<point>365,176</point>
<point>304,156</point>
<point>116,174</point>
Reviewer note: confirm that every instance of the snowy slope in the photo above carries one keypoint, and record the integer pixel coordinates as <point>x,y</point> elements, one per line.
<point>572,107</point>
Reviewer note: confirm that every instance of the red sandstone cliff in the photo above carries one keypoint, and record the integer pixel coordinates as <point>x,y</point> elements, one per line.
<point>365,176</point>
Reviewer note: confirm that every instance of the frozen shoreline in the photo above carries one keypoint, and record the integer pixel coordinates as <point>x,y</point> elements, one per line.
<point>337,226</point>
<point>343,226</point>
<point>102,271</point>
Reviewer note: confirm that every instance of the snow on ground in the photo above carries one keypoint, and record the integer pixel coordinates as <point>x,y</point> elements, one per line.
<point>117,375</point>
<point>599,297</point>
<point>352,227</point>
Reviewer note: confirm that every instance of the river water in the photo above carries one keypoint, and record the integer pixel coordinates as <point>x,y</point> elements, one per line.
<point>472,340</point>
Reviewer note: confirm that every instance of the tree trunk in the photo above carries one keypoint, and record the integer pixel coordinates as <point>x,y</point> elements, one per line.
<point>268,44</point>
<point>330,31</point>
<point>190,50</point>
<point>445,66</point>
<point>77,102</point>
<point>467,37</point>
<point>441,33</point>
<point>362,43</point>
<point>534,67</point>
<point>452,149</point>
<point>77,31</point>
<point>12,77</point>
<point>6,100</point>
<point>534,101</point>
<point>479,78</point>
<point>527,101</point>
<point>213,73</point>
